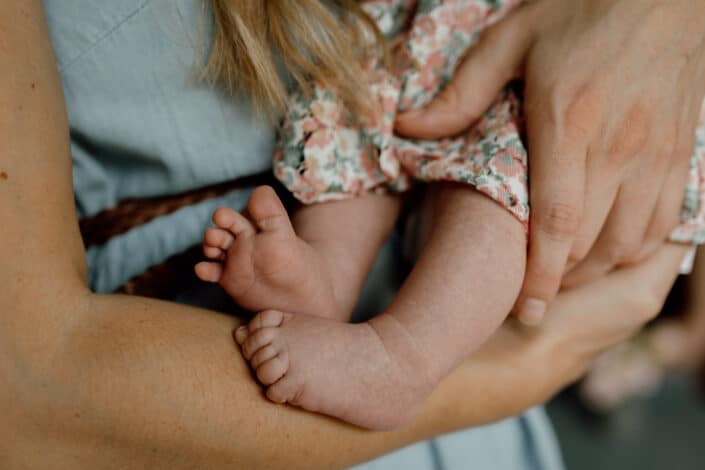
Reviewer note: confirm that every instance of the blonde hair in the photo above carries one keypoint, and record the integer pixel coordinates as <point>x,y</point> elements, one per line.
<point>319,41</point>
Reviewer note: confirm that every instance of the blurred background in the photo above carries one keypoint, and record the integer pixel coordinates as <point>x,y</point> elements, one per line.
<point>662,431</point>
<point>643,404</point>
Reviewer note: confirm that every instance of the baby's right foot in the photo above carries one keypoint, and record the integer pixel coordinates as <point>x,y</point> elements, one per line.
<point>262,264</point>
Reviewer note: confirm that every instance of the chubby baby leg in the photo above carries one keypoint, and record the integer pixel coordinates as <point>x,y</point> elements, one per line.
<point>378,374</point>
<point>468,275</point>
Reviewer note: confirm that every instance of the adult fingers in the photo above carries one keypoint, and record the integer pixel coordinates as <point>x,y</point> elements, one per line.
<point>666,215</point>
<point>558,148</point>
<point>667,212</point>
<point>621,239</point>
<point>490,64</point>
<point>594,316</point>
<point>601,192</point>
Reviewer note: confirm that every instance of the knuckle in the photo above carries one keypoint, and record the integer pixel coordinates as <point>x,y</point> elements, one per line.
<point>631,135</point>
<point>581,109</point>
<point>560,221</point>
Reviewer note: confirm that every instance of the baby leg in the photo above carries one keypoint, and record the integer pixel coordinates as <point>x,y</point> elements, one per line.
<point>377,374</point>
<point>316,266</point>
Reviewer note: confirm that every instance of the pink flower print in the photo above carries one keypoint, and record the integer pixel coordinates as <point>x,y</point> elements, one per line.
<point>431,72</point>
<point>508,162</point>
<point>368,160</point>
<point>471,18</point>
<point>401,61</point>
<point>424,26</point>
<point>309,125</point>
<point>320,138</point>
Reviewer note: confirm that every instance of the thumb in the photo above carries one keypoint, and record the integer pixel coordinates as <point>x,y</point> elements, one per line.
<point>495,60</point>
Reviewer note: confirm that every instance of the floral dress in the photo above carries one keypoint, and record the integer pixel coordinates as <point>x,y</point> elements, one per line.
<point>326,153</point>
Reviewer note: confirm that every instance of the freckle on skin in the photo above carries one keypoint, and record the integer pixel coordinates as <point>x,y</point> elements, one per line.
<point>3,176</point>
<point>33,86</point>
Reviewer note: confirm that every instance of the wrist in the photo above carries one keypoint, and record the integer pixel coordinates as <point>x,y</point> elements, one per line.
<point>562,358</point>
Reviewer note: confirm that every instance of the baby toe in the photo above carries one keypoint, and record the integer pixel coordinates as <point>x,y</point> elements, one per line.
<point>266,319</point>
<point>213,252</point>
<point>267,210</point>
<point>233,222</point>
<point>285,390</point>
<point>257,340</point>
<point>263,355</point>
<point>219,238</point>
<point>241,334</point>
<point>272,370</point>
<point>209,272</point>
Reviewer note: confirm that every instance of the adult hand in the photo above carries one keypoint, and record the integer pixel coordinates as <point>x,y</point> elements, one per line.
<point>587,320</point>
<point>582,323</point>
<point>613,90</point>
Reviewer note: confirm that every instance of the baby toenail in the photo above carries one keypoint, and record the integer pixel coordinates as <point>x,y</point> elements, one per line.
<point>240,334</point>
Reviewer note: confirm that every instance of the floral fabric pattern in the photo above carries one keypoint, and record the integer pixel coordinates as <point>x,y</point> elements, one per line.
<point>692,217</point>
<point>326,152</point>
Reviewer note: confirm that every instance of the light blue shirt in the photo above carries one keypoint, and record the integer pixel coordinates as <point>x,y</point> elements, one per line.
<point>143,125</point>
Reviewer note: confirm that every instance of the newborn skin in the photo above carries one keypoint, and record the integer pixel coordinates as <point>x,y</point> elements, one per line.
<point>375,374</point>
<point>265,265</point>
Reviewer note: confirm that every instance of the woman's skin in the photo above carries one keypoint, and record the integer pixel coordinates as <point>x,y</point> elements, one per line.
<point>102,381</point>
<point>613,90</point>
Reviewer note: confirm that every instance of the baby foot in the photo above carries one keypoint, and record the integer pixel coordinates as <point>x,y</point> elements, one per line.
<point>366,374</point>
<point>260,261</point>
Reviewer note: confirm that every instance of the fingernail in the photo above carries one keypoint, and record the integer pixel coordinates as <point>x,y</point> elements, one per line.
<point>532,311</point>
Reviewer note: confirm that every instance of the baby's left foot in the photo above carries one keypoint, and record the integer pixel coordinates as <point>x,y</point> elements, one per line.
<point>366,374</point>
<point>262,264</point>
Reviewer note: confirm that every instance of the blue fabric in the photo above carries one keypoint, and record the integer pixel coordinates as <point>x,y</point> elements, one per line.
<point>524,443</point>
<point>143,125</point>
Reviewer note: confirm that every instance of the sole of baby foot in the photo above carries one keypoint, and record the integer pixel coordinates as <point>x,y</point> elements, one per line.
<point>341,370</point>
<point>261,263</point>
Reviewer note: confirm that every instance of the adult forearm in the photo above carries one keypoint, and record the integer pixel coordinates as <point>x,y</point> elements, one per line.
<point>131,382</point>
<point>148,384</point>
<point>141,383</point>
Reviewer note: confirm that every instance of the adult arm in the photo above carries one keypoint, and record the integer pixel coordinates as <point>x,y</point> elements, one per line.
<point>92,381</point>
<point>613,91</point>
<point>89,381</point>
